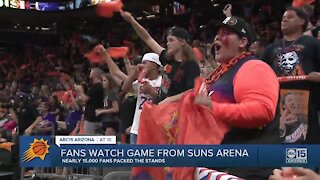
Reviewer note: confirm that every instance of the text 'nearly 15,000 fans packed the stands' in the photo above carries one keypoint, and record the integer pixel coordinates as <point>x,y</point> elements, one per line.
<point>43,151</point>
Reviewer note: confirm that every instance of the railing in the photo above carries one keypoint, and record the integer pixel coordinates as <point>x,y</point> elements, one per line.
<point>92,173</point>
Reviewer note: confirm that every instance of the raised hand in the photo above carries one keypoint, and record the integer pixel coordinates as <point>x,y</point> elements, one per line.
<point>146,88</point>
<point>227,10</point>
<point>127,16</point>
<point>99,49</point>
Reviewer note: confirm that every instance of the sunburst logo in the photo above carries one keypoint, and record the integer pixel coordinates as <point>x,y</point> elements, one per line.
<point>39,148</point>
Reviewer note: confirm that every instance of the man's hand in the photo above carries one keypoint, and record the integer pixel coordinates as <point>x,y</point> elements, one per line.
<point>167,100</point>
<point>305,174</point>
<point>277,175</point>
<point>203,100</point>
<point>69,92</point>
<point>28,131</point>
<point>128,130</point>
<point>127,16</point>
<point>136,71</point>
<point>39,129</point>
<point>314,77</point>
<point>209,49</point>
<point>294,174</point>
<point>98,112</point>
<point>146,88</point>
<point>100,49</point>
<point>227,10</point>
<point>79,88</point>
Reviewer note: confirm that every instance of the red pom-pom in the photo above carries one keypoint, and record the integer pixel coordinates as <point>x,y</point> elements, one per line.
<point>108,8</point>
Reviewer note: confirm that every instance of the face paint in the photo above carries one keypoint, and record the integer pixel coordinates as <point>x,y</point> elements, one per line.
<point>225,40</point>
<point>224,35</point>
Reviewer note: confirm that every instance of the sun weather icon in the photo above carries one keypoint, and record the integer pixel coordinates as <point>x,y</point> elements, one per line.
<point>38,149</point>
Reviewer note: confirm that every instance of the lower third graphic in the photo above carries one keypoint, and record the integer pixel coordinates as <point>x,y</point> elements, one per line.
<point>38,149</point>
<point>296,155</point>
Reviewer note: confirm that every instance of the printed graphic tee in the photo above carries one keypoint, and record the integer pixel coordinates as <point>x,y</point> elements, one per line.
<point>299,99</point>
<point>178,76</point>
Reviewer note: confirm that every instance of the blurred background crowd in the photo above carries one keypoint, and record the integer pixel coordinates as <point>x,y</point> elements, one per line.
<point>42,57</point>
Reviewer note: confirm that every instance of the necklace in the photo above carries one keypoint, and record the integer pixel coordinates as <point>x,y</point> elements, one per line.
<point>284,51</point>
<point>222,68</point>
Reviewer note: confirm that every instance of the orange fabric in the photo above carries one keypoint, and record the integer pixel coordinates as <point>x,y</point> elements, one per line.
<point>301,3</point>
<point>59,94</point>
<point>66,97</point>
<point>256,89</point>
<point>94,57</point>
<point>53,73</point>
<point>79,129</point>
<point>180,122</point>
<point>64,77</point>
<point>114,52</point>
<point>6,145</point>
<point>198,54</point>
<point>118,52</point>
<point>107,9</point>
<point>103,13</point>
<point>123,138</point>
<point>4,110</point>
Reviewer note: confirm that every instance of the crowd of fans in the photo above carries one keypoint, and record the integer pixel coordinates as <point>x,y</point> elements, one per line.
<point>56,91</point>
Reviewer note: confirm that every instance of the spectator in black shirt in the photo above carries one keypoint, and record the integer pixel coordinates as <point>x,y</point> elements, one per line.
<point>180,67</point>
<point>25,112</point>
<point>54,107</point>
<point>295,59</point>
<point>257,47</point>
<point>93,100</point>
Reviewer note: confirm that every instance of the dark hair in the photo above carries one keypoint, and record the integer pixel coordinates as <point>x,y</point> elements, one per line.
<point>301,14</point>
<point>262,42</point>
<point>187,52</point>
<point>111,84</point>
<point>55,99</point>
<point>246,48</point>
<point>45,103</point>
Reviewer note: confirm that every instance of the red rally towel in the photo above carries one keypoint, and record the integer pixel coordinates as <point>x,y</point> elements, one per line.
<point>301,3</point>
<point>107,9</point>
<point>118,52</point>
<point>53,73</point>
<point>180,122</point>
<point>64,76</point>
<point>114,52</point>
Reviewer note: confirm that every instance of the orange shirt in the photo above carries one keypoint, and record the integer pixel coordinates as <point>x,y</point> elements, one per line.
<point>255,90</point>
